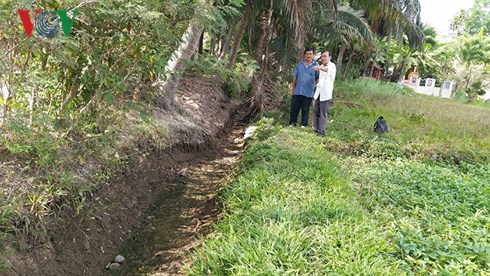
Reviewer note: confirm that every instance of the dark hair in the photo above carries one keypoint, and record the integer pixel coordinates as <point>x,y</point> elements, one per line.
<point>309,50</point>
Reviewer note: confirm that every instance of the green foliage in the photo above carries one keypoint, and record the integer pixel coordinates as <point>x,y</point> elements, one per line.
<point>237,81</point>
<point>114,48</point>
<point>430,34</point>
<point>475,90</point>
<point>77,105</point>
<point>473,49</point>
<point>473,20</point>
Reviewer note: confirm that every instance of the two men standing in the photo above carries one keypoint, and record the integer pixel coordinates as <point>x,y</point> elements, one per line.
<point>306,76</point>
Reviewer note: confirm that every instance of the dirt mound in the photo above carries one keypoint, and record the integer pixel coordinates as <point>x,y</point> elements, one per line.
<point>85,244</point>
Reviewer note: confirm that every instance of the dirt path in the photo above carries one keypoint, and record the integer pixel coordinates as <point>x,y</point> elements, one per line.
<point>182,214</point>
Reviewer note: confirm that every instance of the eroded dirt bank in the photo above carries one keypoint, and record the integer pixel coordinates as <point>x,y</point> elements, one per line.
<point>157,182</point>
<point>183,213</point>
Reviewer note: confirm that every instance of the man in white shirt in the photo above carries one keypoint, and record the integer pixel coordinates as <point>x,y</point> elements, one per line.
<point>323,94</point>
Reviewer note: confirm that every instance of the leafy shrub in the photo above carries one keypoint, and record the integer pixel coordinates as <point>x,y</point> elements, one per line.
<point>237,80</point>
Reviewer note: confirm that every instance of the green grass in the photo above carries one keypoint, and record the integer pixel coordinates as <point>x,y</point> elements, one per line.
<point>413,201</point>
<point>292,212</point>
<point>420,126</point>
<point>439,213</point>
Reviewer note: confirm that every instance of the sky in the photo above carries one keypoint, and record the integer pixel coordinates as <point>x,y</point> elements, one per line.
<point>438,13</point>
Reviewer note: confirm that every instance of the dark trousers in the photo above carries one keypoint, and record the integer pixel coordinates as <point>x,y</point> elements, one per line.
<point>297,103</point>
<point>320,116</point>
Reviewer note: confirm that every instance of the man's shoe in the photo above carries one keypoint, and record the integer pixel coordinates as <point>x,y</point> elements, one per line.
<point>314,129</point>
<point>302,126</point>
<point>321,135</point>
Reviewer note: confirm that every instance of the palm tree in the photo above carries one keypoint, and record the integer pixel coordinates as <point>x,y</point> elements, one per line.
<point>349,25</point>
<point>244,22</point>
<point>394,18</point>
<point>278,18</point>
<point>206,14</point>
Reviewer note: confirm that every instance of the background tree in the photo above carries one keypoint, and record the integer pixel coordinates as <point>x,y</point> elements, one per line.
<point>473,52</point>
<point>474,19</point>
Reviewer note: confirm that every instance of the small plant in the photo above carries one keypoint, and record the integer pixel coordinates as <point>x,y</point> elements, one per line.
<point>475,90</point>
<point>266,128</point>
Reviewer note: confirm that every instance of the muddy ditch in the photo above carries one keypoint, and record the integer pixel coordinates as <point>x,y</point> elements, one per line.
<point>182,214</point>
<point>153,210</point>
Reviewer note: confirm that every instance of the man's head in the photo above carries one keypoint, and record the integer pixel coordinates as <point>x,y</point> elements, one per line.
<point>326,57</point>
<point>309,54</point>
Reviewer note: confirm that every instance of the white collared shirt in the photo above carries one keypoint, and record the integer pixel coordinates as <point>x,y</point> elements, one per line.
<point>324,88</point>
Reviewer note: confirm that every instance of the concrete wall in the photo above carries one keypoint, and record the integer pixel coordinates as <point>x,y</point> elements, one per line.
<point>433,91</point>
<point>438,92</point>
<point>487,95</point>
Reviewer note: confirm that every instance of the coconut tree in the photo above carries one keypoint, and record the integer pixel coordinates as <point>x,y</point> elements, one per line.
<point>276,19</point>
<point>394,18</point>
<point>397,20</point>
<point>348,25</point>
<point>207,13</point>
<point>244,22</point>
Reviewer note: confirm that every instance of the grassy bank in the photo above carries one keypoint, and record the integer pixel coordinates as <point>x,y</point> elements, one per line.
<point>45,174</point>
<point>415,200</point>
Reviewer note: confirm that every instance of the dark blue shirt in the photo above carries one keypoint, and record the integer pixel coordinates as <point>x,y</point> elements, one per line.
<point>305,79</point>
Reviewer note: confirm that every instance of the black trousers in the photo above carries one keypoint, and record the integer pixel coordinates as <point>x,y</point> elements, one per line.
<point>299,103</point>
<point>320,115</point>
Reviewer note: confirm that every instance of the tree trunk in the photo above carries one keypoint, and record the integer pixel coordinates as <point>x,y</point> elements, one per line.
<point>201,44</point>
<point>238,39</point>
<point>176,64</point>
<point>387,59</point>
<point>4,95</point>
<point>224,49</point>
<point>468,77</point>
<point>340,58</point>
<point>71,96</point>
<point>258,93</point>
<point>455,89</point>
<point>402,75</point>
<point>212,43</point>
<point>366,68</point>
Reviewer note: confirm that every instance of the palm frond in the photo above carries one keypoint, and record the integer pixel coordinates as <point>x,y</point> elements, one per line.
<point>350,24</point>
<point>397,15</point>
<point>355,20</point>
<point>299,12</point>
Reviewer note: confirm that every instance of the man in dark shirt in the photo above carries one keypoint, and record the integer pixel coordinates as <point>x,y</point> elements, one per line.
<point>304,81</point>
